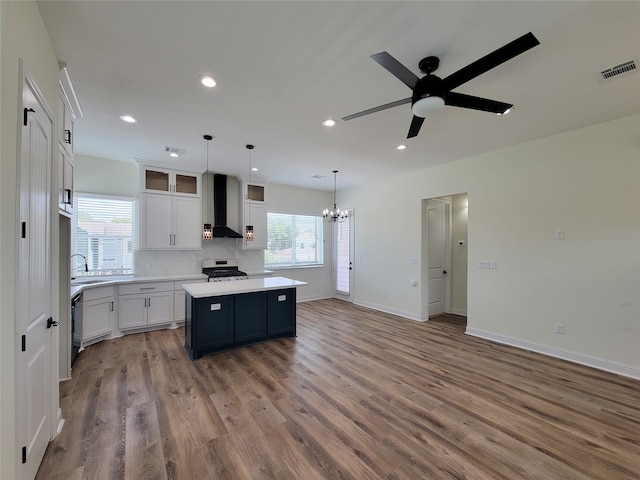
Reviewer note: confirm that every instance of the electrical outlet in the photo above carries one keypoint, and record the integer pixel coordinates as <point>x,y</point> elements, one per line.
<point>147,266</point>
<point>560,328</point>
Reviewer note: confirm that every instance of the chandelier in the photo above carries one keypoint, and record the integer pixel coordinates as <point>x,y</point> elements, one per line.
<point>335,214</point>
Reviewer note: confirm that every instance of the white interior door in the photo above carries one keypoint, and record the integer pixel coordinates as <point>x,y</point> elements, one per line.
<point>36,380</point>
<point>343,259</point>
<point>438,255</point>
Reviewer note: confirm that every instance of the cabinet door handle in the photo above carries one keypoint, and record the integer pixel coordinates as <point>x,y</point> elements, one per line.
<point>67,136</point>
<point>112,306</point>
<point>149,303</point>
<point>68,192</point>
<point>147,288</point>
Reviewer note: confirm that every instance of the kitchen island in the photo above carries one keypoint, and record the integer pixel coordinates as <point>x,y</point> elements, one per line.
<point>225,315</point>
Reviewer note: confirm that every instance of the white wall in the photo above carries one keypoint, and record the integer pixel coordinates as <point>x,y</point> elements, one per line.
<point>586,182</point>
<point>97,175</point>
<point>22,35</point>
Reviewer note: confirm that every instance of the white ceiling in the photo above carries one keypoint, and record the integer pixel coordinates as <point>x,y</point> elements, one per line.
<point>283,67</point>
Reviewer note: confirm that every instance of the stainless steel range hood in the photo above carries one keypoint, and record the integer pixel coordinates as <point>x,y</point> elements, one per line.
<point>220,228</point>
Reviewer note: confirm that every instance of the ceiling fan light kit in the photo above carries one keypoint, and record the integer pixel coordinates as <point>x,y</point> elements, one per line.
<point>432,93</point>
<point>427,106</point>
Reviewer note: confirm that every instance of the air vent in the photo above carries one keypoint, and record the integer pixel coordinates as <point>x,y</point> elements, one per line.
<point>317,177</point>
<point>175,151</point>
<point>618,70</point>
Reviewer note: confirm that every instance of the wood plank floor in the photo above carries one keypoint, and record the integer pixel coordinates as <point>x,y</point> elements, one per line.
<point>358,394</point>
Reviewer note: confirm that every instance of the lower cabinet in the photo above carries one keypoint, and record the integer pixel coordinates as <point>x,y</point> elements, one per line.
<point>97,313</point>
<point>179,299</point>
<point>281,310</point>
<point>219,323</point>
<point>143,304</point>
<point>250,317</point>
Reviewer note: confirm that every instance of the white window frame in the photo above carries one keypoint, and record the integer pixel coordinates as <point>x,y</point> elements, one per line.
<point>319,244</point>
<point>128,260</point>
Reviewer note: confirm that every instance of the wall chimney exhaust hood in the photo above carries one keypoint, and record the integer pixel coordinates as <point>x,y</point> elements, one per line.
<point>220,228</point>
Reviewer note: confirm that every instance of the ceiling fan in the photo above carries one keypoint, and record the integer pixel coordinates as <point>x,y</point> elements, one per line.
<point>431,93</point>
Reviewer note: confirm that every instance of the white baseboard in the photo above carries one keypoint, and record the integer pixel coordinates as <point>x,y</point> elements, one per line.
<point>311,298</point>
<point>393,311</point>
<point>459,311</point>
<point>59,422</point>
<point>575,357</point>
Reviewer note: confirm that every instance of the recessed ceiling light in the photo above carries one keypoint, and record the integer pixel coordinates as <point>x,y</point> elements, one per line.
<point>401,147</point>
<point>208,81</point>
<point>254,169</point>
<point>329,122</point>
<point>128,119</point>
<point>174,155</point>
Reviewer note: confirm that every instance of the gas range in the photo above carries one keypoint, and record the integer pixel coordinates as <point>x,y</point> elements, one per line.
<point>223,270</point>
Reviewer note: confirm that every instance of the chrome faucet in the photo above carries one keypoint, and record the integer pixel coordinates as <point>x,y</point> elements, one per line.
<point>86,265</point>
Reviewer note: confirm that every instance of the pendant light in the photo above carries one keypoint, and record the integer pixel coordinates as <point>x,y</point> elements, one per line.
<point>335,214</point>
<point>207,230</point>
<point>248,229</point>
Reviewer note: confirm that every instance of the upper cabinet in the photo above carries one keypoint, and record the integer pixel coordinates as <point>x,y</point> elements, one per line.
<point>253,215</point>
<point>254,192</point>
<point>170,210</point>
<point>69,110</point>
<point>65,124</point>
<point>65,182</point>
<point>170,182</point>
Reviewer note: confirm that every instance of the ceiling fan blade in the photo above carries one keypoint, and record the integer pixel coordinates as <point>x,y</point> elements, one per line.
<point>416,123</point>
<point>377,109</point>
<point>397,69</point>
<point>477,103</point>
<point>492,60</point>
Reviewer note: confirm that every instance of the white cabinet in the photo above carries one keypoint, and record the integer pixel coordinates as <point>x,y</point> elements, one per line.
<point>179,299</point>
<point>65,124</point>
<point>97,313</point>
<point>170,182</point>
<point>142,304</point>
<point>170,222</point>
<point>65,182</point>
<point>253,214</point>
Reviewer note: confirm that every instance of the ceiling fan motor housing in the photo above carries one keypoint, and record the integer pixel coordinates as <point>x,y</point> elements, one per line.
<point>429,64</point>
<point>428,86</point>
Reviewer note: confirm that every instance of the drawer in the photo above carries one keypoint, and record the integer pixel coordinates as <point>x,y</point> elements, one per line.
<point>178,285</point>
<point>95,293</point>
<point>147,287</point>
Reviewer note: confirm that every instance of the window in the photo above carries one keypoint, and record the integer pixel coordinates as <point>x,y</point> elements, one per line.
<point>293,240</point>
<point>102,235</point>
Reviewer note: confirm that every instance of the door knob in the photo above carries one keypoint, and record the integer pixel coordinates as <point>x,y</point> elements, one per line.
<point>444,272</point>
<point>51,323</point>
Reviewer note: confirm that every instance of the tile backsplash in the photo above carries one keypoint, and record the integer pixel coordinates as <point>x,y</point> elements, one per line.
<point>175,262</point>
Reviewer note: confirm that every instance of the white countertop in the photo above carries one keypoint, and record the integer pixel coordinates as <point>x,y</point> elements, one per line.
<point>108,280</point>
<point>216,289</point>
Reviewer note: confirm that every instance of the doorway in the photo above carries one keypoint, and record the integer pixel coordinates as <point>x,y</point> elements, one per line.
<point>343,234</point>
<point>444,266</point>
